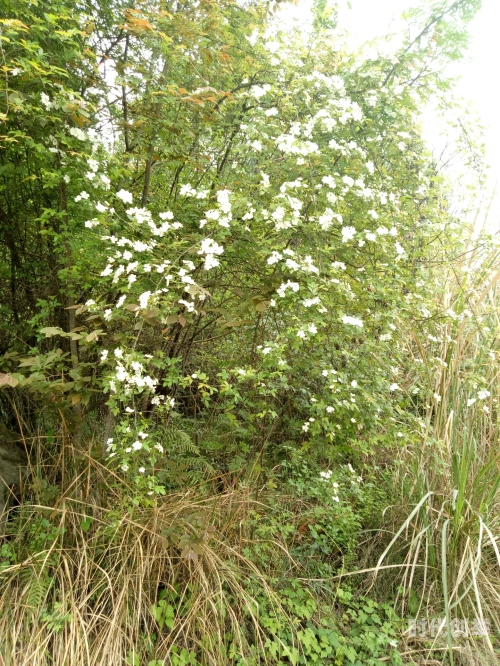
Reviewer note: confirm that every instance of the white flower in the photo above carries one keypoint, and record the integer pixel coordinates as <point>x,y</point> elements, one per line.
<point>82,195</point>
<point>106,181</point>
<point>249,215</point>
<point>274,258</point>
<point>256,145</point>
<point>46,101</point>
<point>348,233</point>
<point>209,246</point>
<point>330,181</point>
<point>66,178</point>
<point>312,329</point>
<point>393,387</point>
<point>144,298</point>
<point>210,262</point>
<point>223,200</point>
<point>266,350</point>
<point>121,301</point>
<point>482,395</point>
<point>159,447</point>
<point>125,196</point>
<point>189,305</point>
<point>281,291</point>
<point>326,219</point>
<point>273,111</point>
<point>260,91</point>
<point>132,267</point>
<point>330,409</point>
<point>437,397</point>
<point>352,321</point>
<point>104,355</point>
<point>301,334</point>
<point>354,383</point>
<point>118,353</point>
<point>77,133</point>
<point>278,214</point>
<point>142,470</point>
<point>212,214</point>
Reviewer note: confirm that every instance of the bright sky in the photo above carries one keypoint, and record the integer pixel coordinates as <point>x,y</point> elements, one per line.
<point>478,74</point>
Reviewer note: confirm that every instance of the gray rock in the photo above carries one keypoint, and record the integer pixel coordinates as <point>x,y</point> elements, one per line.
<point>13,466</point>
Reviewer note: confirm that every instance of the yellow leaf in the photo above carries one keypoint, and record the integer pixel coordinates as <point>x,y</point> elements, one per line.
<point>14,23</point>
<point>8,380</point>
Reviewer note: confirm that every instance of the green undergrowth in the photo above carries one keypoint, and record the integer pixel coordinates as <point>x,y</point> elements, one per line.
<point>246,575</point>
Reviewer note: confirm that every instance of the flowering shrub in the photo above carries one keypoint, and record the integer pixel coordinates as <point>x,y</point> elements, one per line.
<point>224,251</point>
<point>246,246</point>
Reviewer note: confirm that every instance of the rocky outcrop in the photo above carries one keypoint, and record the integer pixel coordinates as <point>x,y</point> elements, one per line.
<point>13,464</point>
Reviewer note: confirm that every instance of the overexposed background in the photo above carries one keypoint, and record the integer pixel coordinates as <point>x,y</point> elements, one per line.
<point>477,74</point>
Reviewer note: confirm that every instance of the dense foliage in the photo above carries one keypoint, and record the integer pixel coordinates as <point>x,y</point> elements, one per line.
<point>222,275</point>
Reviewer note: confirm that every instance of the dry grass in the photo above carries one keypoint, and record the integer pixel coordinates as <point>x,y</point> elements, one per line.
<point>88,589</point>
<point>448,534</point>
